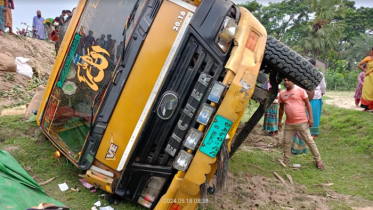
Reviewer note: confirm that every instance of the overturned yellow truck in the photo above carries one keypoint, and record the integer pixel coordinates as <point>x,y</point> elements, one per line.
<point>146,95</point>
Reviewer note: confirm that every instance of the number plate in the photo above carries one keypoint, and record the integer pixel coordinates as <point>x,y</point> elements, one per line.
<point>215,136</point>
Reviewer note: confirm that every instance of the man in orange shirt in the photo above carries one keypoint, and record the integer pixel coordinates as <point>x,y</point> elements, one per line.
<point>293,101</point>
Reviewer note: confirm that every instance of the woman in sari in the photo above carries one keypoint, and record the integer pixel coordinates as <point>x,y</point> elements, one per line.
<point>8,19</point>
<point>2,17</point>
<point>359,88</point>
<point>270,116</point>
<point>367,96</point>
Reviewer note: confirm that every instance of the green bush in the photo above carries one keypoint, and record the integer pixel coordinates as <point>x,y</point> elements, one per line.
<point>339,78</point>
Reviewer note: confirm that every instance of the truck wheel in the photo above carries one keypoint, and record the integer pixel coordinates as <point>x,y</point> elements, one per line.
<point>290,64</point>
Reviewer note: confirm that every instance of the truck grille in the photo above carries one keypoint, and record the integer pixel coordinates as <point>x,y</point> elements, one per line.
<point>189,80</point>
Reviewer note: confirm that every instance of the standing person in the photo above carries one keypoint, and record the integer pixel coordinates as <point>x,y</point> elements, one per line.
<point>367,96</point>
<point>57,22</point>
<point>62,17</point>
<point>54,36</point>
<point>298,146</point>
<point>88,42</point>
<point>37,25</point>
<point>2,17</point>
<point>109,44</point>
<point>8,6</point>
<point>48,27</point>
<point>101,41</point>
<point>270,116</point>
<point>359,88</point>
<point>69,16</point>
<point>316,104</point>
<point>120,50</point>
<point>293,101</point>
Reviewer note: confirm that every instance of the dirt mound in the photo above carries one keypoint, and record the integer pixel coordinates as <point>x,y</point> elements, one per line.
<point>246,191</point>
<point>16,89</point>
<point>259,138</point>
<point>253,192</point>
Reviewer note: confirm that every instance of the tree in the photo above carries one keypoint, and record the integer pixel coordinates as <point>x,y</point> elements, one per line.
<point>323,33</point>
<point>320,40</point>
<point>357,49</point>
<point>357,21</point>
<point>253,6</point>
<point>278,18</point>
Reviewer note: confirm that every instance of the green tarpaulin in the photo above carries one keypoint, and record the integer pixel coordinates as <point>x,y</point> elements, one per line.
<point>18,190</point>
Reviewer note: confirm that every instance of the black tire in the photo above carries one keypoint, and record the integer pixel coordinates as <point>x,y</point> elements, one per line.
<point>290,64</point>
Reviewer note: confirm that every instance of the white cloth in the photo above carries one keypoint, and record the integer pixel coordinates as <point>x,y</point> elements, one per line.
<point>23,68</point>
<point>320,89</point>
<point>63,187</point>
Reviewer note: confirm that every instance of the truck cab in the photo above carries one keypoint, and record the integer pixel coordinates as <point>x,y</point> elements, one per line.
<point>146,95</point>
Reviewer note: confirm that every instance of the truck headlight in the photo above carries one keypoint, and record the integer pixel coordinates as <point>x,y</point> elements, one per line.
<point>192,138</point>
<point>205,114</point>
<point>144,202</point>
<point>182,161</point>
<point>151,191</point>
<point>216,92</point>
<point>227,32</point>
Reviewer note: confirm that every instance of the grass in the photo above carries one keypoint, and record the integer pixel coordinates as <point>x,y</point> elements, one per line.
<point>327,98</point>
<point>35,153</point>
<point>346,147</point>
<point>345,144</point>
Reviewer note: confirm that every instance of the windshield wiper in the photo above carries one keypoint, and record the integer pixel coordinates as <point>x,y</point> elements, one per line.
<point>130,18</point>
<point>99,96</point>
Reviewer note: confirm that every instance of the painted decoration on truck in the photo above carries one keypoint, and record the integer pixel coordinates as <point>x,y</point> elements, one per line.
<point>51,112</point>
<point>69,60</point>
<point>95,58</point>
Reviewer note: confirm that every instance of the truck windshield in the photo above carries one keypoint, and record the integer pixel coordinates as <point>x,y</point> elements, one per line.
<point>88,65</point>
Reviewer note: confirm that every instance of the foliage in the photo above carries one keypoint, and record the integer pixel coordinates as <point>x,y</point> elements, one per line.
<point>340,79</point>
<point>322,40</point>
<point>278,18</point>
<point>253,6</point>
<point>333,30</point>
<point>358,22</point>
<point>357,49</point>
<point>323,33</point>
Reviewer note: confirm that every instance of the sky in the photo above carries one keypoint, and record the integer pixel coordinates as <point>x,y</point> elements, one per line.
<point>358,3</point>
<point>25,10</point>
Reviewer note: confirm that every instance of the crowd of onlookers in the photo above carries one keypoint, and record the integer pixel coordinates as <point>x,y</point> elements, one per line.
<point>42,28</point>
<point>48,28</point>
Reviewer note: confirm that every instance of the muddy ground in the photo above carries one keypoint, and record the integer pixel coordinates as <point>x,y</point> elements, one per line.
<point>248,191</point>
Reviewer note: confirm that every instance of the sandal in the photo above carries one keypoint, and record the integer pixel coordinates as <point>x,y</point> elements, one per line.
<point>320,165</point>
